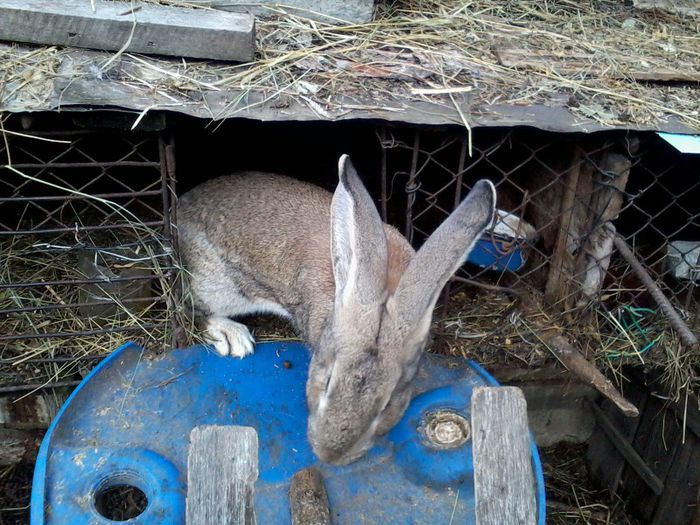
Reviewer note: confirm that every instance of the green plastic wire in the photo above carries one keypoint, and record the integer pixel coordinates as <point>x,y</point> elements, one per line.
<point>636,314</point>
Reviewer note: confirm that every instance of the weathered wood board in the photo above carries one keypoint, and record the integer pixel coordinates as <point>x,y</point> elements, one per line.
<point>111,26</point>
<point>222,467</point>
<point>512,54</point>
<point>504,481</point>
<point>328,11</point>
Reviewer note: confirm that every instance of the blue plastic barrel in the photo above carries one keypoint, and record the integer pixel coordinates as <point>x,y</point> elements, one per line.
<point>129,421</point>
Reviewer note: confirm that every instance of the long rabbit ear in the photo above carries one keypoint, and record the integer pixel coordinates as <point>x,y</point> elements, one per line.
<point>441,254</point>
<point>358,241</point>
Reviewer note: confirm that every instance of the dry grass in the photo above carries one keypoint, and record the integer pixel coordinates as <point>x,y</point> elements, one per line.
<point>572,498</point>
<point>491,329</point>
<point>142,311</point>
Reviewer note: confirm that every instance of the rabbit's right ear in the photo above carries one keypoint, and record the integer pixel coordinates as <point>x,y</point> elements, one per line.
<point>441,255</point>
<point>358,241</point>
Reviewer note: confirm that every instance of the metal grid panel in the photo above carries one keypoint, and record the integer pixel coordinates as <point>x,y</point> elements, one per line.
<point>579,193</point>
<point>86,243</point>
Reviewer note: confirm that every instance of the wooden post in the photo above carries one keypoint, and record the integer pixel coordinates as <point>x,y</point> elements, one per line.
<point>572,209</point>
<point>606,201</point>
<point>504,481</point>
<point>222,467</point>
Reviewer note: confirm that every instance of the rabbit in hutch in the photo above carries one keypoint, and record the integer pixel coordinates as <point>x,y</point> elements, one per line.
<point>361,297</point>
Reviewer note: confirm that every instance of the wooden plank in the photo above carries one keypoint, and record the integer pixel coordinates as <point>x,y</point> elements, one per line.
<point>657,437</point>
<point>328,11</point>
<point>222,467</point>
<point>678,502</point>
<point>606,463</point>
<point>504,482</point>
<point>569,63</point>
<point>308,499</point>
<point>678,7</point>
<point>626,449</point>
<point>154,29</point>
<point>18,445</point>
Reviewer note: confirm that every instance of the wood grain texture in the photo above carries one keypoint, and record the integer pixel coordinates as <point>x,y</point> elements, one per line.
<point>16,445</point>
<point>628,451</point>
<point>513,54</point>
<point>222,467</point>
<point>155,29</point>
<point>504,481</point>
<point>308,499</point>
<point>328,11</point>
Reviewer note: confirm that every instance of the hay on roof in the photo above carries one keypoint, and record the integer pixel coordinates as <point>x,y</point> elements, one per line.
<point>601,59</point>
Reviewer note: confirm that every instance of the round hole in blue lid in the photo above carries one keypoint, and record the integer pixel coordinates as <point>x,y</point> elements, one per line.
<point>118,497</point>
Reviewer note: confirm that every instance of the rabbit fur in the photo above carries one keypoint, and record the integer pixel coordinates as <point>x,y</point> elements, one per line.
<point>361,297</point>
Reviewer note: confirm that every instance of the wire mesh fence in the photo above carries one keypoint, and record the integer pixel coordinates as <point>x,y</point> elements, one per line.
<point>569,206</point>
<point>86,245</point>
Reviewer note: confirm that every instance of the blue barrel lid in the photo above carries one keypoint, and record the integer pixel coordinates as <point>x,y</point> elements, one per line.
<point>129,423</point>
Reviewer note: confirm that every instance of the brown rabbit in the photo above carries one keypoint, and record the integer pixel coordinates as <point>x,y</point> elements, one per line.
<point>359,294</point>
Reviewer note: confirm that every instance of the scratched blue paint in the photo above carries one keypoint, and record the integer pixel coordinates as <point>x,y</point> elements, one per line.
<point>129,422</point>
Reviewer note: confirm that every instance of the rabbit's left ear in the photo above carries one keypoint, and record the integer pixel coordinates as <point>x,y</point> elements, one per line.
<point>358,241</point>
<point>441,255</point>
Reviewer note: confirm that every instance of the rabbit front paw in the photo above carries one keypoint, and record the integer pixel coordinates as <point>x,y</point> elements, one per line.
<point>229,337</point>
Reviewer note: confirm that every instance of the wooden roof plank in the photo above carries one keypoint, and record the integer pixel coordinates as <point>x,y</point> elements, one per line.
<point>114,26</point>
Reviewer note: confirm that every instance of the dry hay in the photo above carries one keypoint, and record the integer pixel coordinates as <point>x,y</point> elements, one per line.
<point>120,317</point>
<point>27,74</point>
<point>572,498</point>
<point>598,58</point>
<point>492,329</point>
<point>576,50</point>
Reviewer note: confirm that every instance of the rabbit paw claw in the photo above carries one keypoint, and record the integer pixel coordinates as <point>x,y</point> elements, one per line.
<point>229,337</point>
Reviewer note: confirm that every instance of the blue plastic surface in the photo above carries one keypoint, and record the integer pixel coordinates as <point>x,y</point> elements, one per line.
<point>496,253</point>
<point>129,422</point>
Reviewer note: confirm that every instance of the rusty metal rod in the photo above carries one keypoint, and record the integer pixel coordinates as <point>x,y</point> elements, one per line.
<point>36,386</point>
<point>68,335</point>
<point>80,281</point>
<point>69,229</point>
<point>115,164</point>
<point>51,360</point>
<point>684,332</point>
<point>107,301</point>
<point>146,193</point>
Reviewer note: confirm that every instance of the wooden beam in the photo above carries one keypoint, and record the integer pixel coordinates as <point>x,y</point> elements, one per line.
<point>561,265</point>
<point>504,481</point>
<point>222,467</point>
<point>111,26</point>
